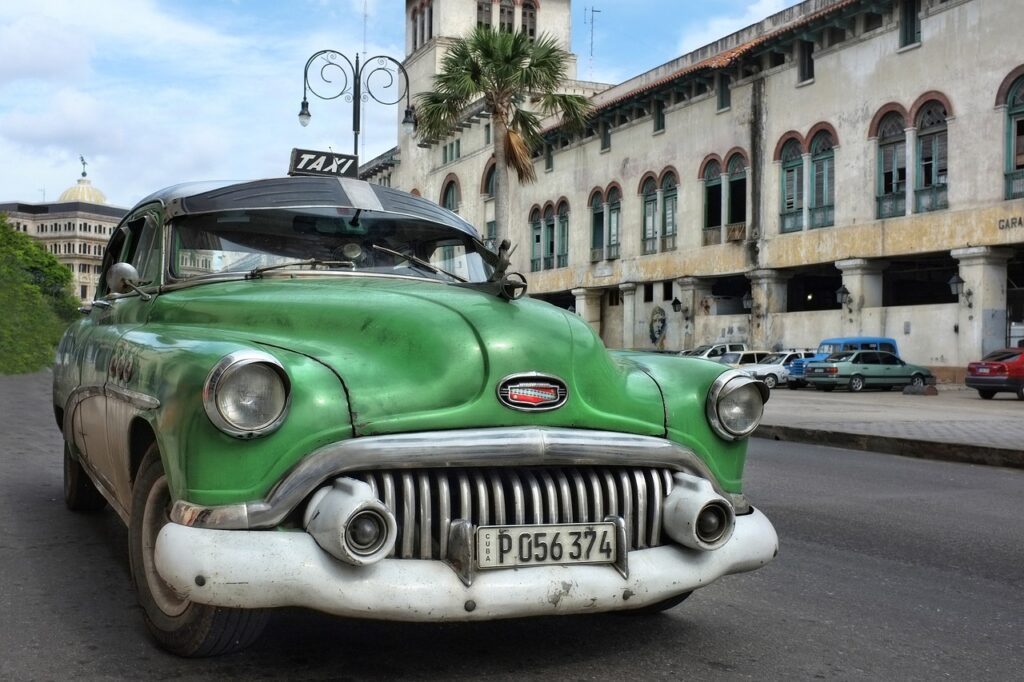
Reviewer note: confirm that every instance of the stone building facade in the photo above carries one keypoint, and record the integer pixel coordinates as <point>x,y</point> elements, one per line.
<point>75,229</point>
<point>834,169</point>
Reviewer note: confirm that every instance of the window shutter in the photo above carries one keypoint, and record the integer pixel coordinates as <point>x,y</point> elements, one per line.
<point>941,157</point>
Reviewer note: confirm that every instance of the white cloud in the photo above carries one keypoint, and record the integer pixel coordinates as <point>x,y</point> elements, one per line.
<point>713,28</point>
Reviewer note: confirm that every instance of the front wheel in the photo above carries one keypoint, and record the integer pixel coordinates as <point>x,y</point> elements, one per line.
<point>794,384</point>
<point>856,383</point>
<point>917,381</point>
<point>770,381</point>
<point>180,626</point>
<point>1020,393</point>
<point>987,395</point>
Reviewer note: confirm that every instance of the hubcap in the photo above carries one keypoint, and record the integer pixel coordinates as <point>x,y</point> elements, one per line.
<point>153,519</point>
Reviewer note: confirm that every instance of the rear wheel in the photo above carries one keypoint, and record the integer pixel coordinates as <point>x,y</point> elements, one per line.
<point>856,383</point>
<point>988,395</point>
<point>80,493</point>
<point>770,381</point>
<point>178,625</point>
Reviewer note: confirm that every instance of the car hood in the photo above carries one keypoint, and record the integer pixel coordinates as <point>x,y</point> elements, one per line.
<point>416,355</point>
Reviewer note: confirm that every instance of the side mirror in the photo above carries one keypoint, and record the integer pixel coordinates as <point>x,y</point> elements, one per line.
<point>123,278</point>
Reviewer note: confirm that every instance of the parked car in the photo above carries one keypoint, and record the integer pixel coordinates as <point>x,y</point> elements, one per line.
<point>999,371</point>
<point>774,369</point>
<point>713,351</point>
<point>862,369</point>
<point>834,345</point>
<point>744,357</point>
<point>330,394</point>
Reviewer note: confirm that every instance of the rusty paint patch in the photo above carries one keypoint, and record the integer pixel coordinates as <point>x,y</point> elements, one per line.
<point>556,595</point>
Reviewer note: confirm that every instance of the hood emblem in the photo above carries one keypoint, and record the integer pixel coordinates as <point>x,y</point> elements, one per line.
<point>532,392</point>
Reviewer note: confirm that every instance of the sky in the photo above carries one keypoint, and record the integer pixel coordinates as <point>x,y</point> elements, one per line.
<point>157,92</point>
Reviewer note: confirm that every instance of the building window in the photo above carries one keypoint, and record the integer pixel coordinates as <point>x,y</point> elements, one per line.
<point>563,236</point>
<point>822,180</point>
<point>712,233</point>
<point>806,60</point>
<point>430,20</point>
<point>648,292</point>
<point>666,291</point>
<point>487,133</point>
<point>415,31</point>
<point>659,115</point>
<point>614,217</point>
<point>83,291</point>
<point>1015,145</point>
<point>724,91</point>
<point>596,227</point>
<point>614,297</point>
<point>536,241</point>
<point>492,232</point>
<point>910,22</point>
<point>506,16</point>
<point>549,238</point>
<point>422,25</point>
<point>606,135</point>
<point>450,197</point>
<point>737,169</point>
<point>891,199</point>
<point>932,159</point>
<point>483,14</point>
<point>792,187</point>
<point>529,13</point>
<point>489,180</point>
<point>668,213</point>
<point>650,216</point>
<point>549,157</point>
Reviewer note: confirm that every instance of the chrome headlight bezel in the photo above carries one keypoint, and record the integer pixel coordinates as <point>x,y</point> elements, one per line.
<point>725,384</point>
<point>227,367</point>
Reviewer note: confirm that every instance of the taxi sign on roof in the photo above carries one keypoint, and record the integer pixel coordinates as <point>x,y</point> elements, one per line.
<point>312,162</point>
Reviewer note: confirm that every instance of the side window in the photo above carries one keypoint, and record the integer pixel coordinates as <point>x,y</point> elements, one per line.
<point>716,351</point>
<point>868,358</point>
<point>888,359</point>
<point>889,348</point>
<point>112,255</point>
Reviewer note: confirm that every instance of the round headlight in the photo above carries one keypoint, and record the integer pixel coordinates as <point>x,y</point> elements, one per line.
<point>246,394</point>
<point>736,405</point>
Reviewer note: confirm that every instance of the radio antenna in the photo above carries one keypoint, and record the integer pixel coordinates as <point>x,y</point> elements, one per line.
<point>592,12</point>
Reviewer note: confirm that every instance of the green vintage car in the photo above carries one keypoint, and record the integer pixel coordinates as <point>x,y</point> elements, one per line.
<point>857,370</point>
<point>322,393</point>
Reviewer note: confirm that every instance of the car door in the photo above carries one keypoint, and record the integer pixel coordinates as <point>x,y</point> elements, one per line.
<point>868,366</point>
<point>893,370</point>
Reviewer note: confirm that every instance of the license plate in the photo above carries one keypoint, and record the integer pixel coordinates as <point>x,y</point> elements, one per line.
<point>983,370</point>
<point>571,543</point>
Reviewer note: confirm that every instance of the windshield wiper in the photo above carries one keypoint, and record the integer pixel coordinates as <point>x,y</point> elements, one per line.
<point>256,273</point>
<point>418,261</point>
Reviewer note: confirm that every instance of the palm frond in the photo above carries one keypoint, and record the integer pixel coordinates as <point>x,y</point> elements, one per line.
<point>518,156</point>
<point>575,110</point>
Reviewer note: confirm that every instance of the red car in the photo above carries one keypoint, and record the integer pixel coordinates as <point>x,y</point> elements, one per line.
<point>999,371</point>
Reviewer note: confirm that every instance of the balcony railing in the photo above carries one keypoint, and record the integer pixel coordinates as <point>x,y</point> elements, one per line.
<point>613,251</point>
<point>891,205</point>
<point>597,254</point>
<point>563,260</point>
<point>549,262</point>
<point>823,216</point>
<point>735,232</point>
<point>793,221</point>
<point>932,198</point>
<point>650,245</point>
<point>1015,184</point>
<point>535,265</point>
<point>711,235</point>
<point>668,242</point>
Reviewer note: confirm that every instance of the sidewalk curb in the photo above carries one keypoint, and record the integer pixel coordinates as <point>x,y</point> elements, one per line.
<point>907,447</point>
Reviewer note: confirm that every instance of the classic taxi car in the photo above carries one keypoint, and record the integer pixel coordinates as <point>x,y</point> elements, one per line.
<point>329,394</point>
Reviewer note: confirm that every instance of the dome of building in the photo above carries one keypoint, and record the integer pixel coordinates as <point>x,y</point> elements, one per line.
<point>83,191</point>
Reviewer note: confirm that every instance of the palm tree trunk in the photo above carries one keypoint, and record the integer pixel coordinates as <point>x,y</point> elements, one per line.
<point>501,198</point>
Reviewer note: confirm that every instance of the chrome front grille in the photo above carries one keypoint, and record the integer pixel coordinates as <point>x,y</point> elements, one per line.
<point>425,502</point>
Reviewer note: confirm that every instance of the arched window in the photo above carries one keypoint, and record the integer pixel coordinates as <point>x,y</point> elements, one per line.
<point>415,30</point>
<point>822,180</point>
<point>650,216</point>
<point>450,196</point>
<point>614,221</point>
<point>712,203</point>
<point>430,20</point>
<point>596,227</point>
<point>1015,145</point>
<point>892,166</point>
<point>489,181</point>
<point>669,212</point>
<point>422,26</point>
<point>506,16</point>
<point>562,239</point>
<point>549,238</point>
<point>932,159</point>
<point>737,169</point>
<point>483,13</point>
<point>792,187</point>
<point>529,13</point>
<point>536,240</point>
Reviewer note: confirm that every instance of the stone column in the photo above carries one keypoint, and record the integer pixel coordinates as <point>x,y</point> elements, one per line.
<point>628,301</point>
<point>725,206</point>
<point>588,306</point>
<point>981,310</point>
<point>863,279</point>
<point>659,217</point>
<point>692,290</point>
<point>607,222</point>
<point>769,296</point>
<point>911,161</point>
<point>805,201</point>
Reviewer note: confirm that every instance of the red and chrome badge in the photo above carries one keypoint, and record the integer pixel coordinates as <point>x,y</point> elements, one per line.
<point>532,392</point>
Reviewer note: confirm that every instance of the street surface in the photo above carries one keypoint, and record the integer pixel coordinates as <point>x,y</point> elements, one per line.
<point>890,568</point>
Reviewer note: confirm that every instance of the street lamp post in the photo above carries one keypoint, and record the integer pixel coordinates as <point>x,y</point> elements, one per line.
<point>357,84</point>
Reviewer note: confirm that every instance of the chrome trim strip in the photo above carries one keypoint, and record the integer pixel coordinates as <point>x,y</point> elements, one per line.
<point>134,398</point>
<point>500,447</point>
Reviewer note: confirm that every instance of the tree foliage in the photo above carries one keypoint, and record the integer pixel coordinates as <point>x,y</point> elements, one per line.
<point>36,301</point>
<point>518,80</point>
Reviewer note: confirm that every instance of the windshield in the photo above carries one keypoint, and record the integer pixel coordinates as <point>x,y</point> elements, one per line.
<point>340,240</point>
<point>731,358</point>
<point>774,359</point>
<point>828,348</point>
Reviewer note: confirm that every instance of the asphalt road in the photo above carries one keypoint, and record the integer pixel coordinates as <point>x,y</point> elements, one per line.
<point>890,568</point>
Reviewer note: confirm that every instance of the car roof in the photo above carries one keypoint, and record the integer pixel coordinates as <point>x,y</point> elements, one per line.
<point>302,192</point>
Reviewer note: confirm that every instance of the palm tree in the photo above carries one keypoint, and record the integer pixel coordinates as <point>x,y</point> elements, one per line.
<point>508,71</point>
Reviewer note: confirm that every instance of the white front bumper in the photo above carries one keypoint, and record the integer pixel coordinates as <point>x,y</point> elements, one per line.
<point>262,569</point>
